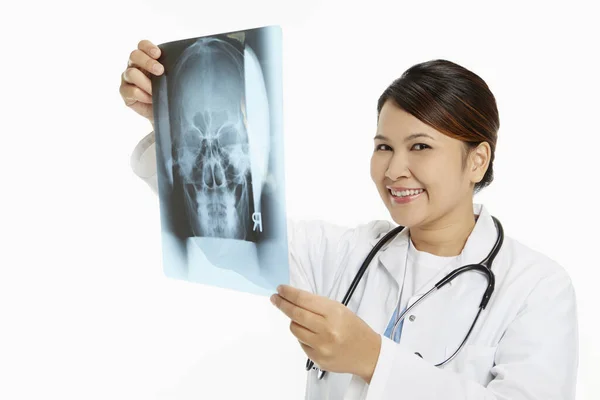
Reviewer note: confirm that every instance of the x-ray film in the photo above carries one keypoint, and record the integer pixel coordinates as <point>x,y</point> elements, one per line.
<point>219,151</point>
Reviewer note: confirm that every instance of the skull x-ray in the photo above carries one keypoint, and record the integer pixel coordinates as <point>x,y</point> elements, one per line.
<point>219,151</point>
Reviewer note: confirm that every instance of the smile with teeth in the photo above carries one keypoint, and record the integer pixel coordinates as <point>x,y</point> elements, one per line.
<point>406,193</point>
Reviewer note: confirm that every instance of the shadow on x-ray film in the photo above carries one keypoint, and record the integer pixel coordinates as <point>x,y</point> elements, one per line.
<point>219,152</point>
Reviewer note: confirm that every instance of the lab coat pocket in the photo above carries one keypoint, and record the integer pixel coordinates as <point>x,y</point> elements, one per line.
<point>474,362</point>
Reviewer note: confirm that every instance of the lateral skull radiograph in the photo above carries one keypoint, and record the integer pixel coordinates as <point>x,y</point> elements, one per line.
<point>219,156</point>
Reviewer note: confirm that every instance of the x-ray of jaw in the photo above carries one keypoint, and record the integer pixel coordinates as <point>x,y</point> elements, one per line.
<point>219,141</point>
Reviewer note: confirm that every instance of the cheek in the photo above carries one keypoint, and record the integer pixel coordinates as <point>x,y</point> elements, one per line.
<point>373,169</point>
<point>435,175</point>
<point>446,183</point>
<point>378,168</point>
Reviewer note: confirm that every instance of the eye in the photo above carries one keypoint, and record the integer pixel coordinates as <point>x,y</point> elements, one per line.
<point>382,147</point>
<point>420,146</point>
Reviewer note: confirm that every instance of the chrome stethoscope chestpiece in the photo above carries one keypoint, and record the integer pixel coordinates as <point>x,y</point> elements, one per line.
<point>311,365</point>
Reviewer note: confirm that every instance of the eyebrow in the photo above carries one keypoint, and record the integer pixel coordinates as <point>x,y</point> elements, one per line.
<point>409,137</point>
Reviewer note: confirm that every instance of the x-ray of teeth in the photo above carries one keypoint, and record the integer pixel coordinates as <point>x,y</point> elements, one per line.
<point>219,151</point>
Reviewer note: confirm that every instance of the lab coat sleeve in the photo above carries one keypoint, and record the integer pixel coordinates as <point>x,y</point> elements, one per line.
<point>143,161</point>
<point>536,359</point>
<point>314,250</point>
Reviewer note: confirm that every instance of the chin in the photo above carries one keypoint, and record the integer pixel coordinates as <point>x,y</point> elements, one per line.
<point>405,216</point>
<point>402,219</point>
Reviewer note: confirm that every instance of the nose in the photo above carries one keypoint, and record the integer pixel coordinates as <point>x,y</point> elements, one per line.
<point>397,168</point>
<point>213,175</point>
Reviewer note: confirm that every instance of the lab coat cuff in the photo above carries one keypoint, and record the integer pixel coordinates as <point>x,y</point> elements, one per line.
<point>143,161</point>
<point>143,157</point>
<point>385,362</point>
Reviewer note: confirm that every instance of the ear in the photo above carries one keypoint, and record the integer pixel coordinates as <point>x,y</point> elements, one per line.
<point>479,160</point>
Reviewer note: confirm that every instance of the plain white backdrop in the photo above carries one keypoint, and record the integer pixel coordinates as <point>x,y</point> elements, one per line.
<point>85,311</point>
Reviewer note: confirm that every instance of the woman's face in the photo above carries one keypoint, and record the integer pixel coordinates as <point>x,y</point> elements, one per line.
<point>418,170</point>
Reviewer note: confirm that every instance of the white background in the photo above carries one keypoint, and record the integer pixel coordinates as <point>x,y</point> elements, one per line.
<point>85,311</point>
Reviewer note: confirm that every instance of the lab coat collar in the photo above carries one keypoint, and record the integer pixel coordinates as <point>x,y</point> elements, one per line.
<point>479,243</point>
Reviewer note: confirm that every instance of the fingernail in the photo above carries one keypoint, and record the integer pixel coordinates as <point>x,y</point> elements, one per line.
<point>154,52</point>
<point>157,68</point>
<point>273,299</point>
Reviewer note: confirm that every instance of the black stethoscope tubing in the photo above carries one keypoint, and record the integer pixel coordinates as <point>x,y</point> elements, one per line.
<point>485,267</point>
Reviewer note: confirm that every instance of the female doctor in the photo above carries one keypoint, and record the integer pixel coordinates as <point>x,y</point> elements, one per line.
<point>433,149</point>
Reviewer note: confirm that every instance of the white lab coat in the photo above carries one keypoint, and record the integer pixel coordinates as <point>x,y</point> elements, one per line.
<point>525,343</point>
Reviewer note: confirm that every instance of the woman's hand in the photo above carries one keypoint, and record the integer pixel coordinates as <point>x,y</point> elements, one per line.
<point>330,334</point>
<point>136,87</point>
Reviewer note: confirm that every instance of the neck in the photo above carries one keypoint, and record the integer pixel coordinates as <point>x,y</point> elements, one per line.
<point>445,237</point>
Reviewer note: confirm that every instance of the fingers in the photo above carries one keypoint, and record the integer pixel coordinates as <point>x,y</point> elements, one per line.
<point>136,85</point>
<point>303,335</point>
<point>311,321</point>
<point>135,77</point>
<point>132,94</point>
<point>144,58</point>
<point>304,299</point>
<point>149,48</point>
<point>140,59</point>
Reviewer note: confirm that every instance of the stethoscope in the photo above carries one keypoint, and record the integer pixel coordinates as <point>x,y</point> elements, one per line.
<point>484,267</point>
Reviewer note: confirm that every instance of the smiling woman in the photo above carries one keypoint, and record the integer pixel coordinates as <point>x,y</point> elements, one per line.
<point>433,150</point>
<point>436,135</point>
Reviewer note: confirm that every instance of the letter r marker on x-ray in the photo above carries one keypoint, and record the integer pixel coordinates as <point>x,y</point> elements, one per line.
<point>257,218</point>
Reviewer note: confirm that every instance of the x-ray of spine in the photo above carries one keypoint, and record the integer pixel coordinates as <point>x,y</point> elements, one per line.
<point>218,128</point>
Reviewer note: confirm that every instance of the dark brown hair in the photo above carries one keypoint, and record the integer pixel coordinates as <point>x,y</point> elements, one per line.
<point>452,100</point>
